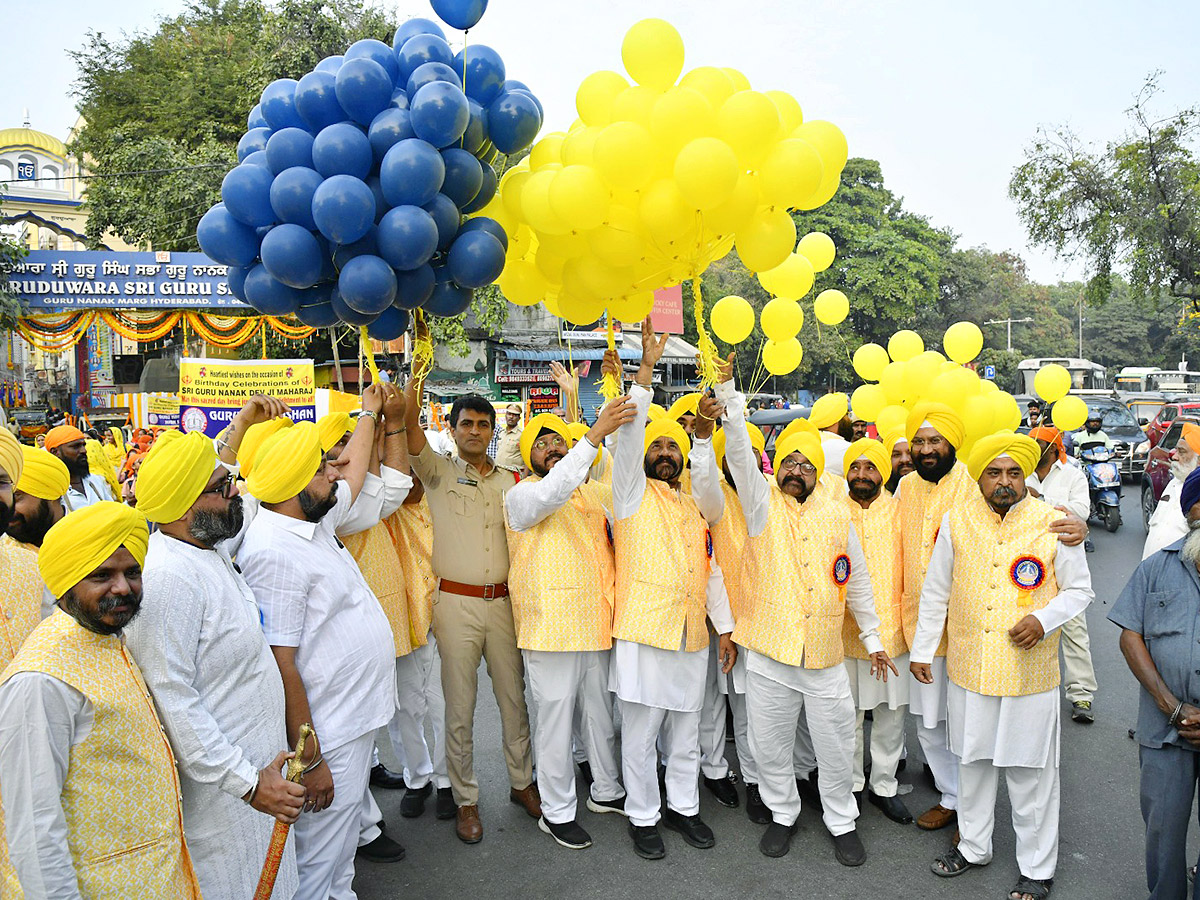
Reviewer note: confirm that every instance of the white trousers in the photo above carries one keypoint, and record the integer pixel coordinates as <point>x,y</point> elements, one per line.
<point>560,681</point>
<point>774,711</point>
<point>712,719</point>
<point>1034,797</point>
<point>419,697</point>
<point>935,739</point>
<point>678,736</point>
<point>1079,676</point>
<point>326,840</point>
<point>741,738</point>
<point>370,817</point>
<point>804,758</point>
<point>887,744</point>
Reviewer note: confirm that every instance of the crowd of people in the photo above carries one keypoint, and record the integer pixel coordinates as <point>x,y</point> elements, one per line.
<point>651,580</point>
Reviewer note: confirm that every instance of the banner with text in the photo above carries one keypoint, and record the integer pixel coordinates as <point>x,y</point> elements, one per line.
<point>211,391</point>
<point>162,412</point>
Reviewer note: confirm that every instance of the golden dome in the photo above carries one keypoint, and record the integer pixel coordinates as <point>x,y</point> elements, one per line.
<point>12,138</point>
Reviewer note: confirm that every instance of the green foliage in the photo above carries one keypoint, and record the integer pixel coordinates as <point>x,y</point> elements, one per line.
<point>11,253</point>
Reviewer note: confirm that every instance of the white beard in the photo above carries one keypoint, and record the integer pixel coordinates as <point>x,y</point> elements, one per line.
<point>1191,544</point>
<point>1181,469</point>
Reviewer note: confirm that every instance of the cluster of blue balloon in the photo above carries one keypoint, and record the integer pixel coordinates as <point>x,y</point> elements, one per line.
<point>349,198</point>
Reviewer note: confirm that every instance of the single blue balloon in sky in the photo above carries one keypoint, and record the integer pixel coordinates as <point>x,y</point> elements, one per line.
<point>363,88</point>
<point>316,99</point>
<point>342,149</point>
<point>270,296</point>
<point>387,129</point>
<point>439,113</point>
<point>513,121</point>
<point>252,140</point>
<point>369,48</point>
<point>392,323</point>
<point>460,14</point>
<point>292,195</point>
<point>413,27</point>
<point>447,217</point>
<point>414,287</point>
<point>420,49</point>
<point>246,193</point>
<point>343,208</point>
<point>408,237</point>
<point>289,147</point>
<point>475,260</point>
<point>482,72</point>
<point>367,285</point>
<point>226,240</point>
<point>278,104</point>
<point>411,173</point>
<point>292,255</point>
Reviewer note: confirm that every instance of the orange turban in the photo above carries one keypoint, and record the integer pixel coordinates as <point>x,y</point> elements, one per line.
<point>63,434</point>
<point>1053,437</point>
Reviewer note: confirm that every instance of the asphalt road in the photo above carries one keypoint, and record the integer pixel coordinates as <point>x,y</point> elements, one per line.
<point>1101,835</point>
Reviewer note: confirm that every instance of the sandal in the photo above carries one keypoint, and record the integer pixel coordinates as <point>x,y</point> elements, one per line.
<point>952,864</point>
<point>1031,889</point>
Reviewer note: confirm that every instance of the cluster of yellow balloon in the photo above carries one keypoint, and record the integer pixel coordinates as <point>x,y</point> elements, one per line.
<point>1053,383</point>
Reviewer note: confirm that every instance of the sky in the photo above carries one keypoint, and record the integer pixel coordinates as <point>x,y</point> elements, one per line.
<point>946,95</point>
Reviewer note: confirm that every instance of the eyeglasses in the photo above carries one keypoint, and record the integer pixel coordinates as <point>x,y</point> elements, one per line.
<point>545,443</point>
<point>226,487</point>
<point>790,465</point>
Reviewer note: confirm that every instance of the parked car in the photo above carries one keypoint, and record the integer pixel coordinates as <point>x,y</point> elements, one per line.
<point>1145,405</point>
<point>31,420</point>
<point>1158,467</point>
<point>1129,443</point>
<point>1168,413</point>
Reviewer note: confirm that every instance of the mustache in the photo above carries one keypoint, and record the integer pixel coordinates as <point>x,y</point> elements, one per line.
<point>792,479</point>
<point>109,602</point>
<point>1003,493</point>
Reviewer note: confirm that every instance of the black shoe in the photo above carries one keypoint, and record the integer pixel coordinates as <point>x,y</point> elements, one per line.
<point>902,765</point>
<point>724,790</point>
<point>567,834</point>
<point>809,792</point>
<point>1088,546</point>
<point>892,807</point>
<point>1081,712</point>
<point>413,803</point>
<point>585,772</point>
<point>446,807</point>
<point>756,810</point>
<point>848,849</point>
<point>383,777</point>
<point>858,799</point>
<point>776,840</point>
<point>607,806</point>
<point>382,850</point>
<point>647,842</point>
<point>691,828</point>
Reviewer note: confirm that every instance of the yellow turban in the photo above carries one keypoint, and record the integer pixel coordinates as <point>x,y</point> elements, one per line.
<point>798,426</point>
<point>80,541</point>
<point>254,438</point>
<point>44,476</point>
<point>1023,450</point>
<point>173,474</point>
<point>578,430</point>
<point>757,441</point>
<point>892,438</point>
<point>535,426</point>
<point>947,422</point>
<point>808,444</point>
<point>667,428</point>
<point>12,460</point>
<point>98,464</point>
<point>333,428</point>
<point>286,463</point>
<point>685,405</point>
<point>873,450</point>
<point>118,437</point>
<point>829,410</point>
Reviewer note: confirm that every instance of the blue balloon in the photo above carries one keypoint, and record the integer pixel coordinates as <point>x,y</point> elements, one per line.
<point>329,272</point>
<point>316,100</point>
<point>408,237</point>
<point>460,14</point>
<point>476,134</point>
<point>400,98</point>
<point>367,245</point>
<point>329,64</point>
<point>513,121</point>
<point>342,149</point>
<point>343,208</point>
<point>292,195</point>
<point>431,71</point>
<point>511,84</point>
<point>482,72</point>
<point>270,296</point>
<point>363,88</point>
<point>369,48</point>
<point>235,277</point>
<point>484,223</point>
<point>226,240</point>
<point>367,285</point>
<point>381,204</point>
<point>246,193</point>
<point>257,158</point>
<point>292,255</point>
<point>388,128</point>
<point>412,28</point>
<point>420,49</point>
<point>487,153</point>
<point>345,313</point>
<point>411,173</point>
<point>415,287</point>
<point>447,298</point>
<point>536,102</point>
<point>392,323</point>
<point>278,104</point>
<point>318,315</point>
<point>255,119</point>
<point>486,192</point>
<point>289,147</point>
<point>475,260</point>
<point>447,217</point>
<point>252,140</point>
<point>464,176</point>
<point>439,113</point>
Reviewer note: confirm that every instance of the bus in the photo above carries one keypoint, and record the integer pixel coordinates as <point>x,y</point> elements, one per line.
<point>1140,379</point>
<point>1085,374</point>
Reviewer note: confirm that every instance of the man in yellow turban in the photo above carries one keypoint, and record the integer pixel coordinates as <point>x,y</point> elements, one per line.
<point>37,497</point>
<point>1000,584</point>
<point>901,460</point>
<point>78,728</point>
<point>830,415</point>
<point>683,411</point>
<point>23,599</point>
<point>792,633</point>
<point>69,444</point>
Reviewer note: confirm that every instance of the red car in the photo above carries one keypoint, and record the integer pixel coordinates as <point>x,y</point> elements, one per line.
<point>1158,463</point>
<point>1167,414</point>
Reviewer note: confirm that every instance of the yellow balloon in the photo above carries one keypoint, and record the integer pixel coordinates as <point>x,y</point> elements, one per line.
<point>749,123</point>
<point>1069,414</point>
<point>568,245</point>
<point>766,239</point>
<point>522,283</point>
<point>781,319</point>
<point>1052,382</point>
<point>713,83</point>
<point>680,115</point>
<point>620,240</point>
<point>828,140</point>
<point>652,52</point>
<point>904,345</point>
<point>706,171</point>
<point>782,357</point>
<point>578,149</point>
<point>739,81</point>
<point>870,361</point>
<point>987,387</point>
<point>892,382</point>
<point>791,279</point>
<point>624,155</point>
<point>1005,410</point>
<point>823,194</point>
<point>547,150</point>
<point>962,341</point>
<point>579,197</point>
<point>890,418</point>
<point>511,186</point>
<point>633,308</point>
<point>580,310</point>
<point>868,401</point>
<point>978,416</point>
<point>947,388</point>
<point>663,210</point>
<point>549,263</point>
<point>732,319</point>
<point>919,373</point>
<point>790,113</point>
<point>594,99</point>
<point>831,307</point>
<point>735,212</point>
<point>635,104</point>
<point>818,247</point>
<point>535,203</point>
<point>790,173</point>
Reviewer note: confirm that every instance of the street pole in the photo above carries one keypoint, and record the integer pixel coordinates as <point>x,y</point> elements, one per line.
<point>1009,323</point>
<point>1081,324</point>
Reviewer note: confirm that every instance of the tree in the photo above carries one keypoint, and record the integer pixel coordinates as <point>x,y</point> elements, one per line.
<point>11,253</point>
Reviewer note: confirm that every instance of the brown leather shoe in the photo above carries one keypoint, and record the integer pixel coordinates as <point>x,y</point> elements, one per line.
<point>468,826</point>
<point>937,817</point>
<point>528,798</point>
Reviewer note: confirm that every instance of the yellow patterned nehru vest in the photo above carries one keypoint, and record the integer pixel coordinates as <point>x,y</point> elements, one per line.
<point>802,555</point>
<point>561,577</point>
<point>411,530</point>
<point>121,794</point>
<point>922,506</point>
<point>20,597</point>
<point>1003,571</point>
<point>662,571</point>
<point>380,565</point>
<point>729,545</point>
<point>878,528</point>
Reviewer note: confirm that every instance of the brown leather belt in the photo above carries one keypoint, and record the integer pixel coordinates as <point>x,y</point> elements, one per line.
<point>483,591</point>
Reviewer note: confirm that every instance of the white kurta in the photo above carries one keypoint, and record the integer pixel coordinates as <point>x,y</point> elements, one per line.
<point>834,447</point>
<point>95,490</point>
<point>1167,523</point>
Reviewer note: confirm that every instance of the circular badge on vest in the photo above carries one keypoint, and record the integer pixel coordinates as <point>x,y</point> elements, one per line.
<point>841,570</point>
<point>1028,573</point>
<point>708,544</point>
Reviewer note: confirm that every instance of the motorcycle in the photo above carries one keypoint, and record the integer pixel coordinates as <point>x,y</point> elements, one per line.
<point>1104,484</point>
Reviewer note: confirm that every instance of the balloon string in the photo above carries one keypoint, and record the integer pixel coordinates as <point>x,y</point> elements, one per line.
<point>609,389</point>
<point>364,349</point>
<point>422,359</point>
<point>709,374</point>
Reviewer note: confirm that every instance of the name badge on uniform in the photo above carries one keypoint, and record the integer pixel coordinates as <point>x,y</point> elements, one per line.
<point>467,481</point>
<point>1028,573</point>
<point>841,570</point>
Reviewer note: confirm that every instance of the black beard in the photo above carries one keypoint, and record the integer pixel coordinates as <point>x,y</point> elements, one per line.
<point>5,518</point>
<point>94,623</point>
<point>315,509</point>
<point>651,469</point>
<point>544,469</point>
<point>893,482</point>
<point>78,469</point>
<point>941,470</point>
<point>862,489</point>
<point>32,531</point>
<point>845,430</point>
<point>210,528</point>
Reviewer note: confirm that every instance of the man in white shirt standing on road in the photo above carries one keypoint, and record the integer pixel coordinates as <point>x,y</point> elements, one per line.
<point>1167,524</point>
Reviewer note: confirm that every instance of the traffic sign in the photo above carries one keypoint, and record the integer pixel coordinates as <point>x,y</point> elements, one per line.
<point>989,372</point>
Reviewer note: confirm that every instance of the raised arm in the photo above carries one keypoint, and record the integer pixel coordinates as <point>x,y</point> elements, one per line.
<point>362,443</point>
<point>706,480</point>
<point>629,474</point>
<point>752,488</point>
<point>259,408</point>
